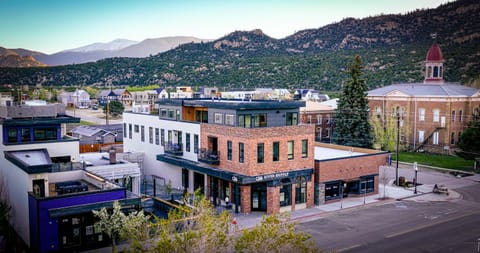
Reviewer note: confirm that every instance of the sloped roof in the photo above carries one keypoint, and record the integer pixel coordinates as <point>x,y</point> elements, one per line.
<point>425,89</point>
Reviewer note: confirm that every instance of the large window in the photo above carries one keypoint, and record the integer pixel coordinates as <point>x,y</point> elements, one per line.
<point>292,118</point>
<point>130,131</point>
<point>187,142</point>
<point>436,115</point>
<point>304,148</point>
<point>229,119</point>
<point>286,195</point>
<point>150,134</point>
<point>124,130</point>
<point>453,116</point>
<point>162,136</point>
<point>240,152</point>
<point>45,134</point>
<point>290,150</point>
<point>301,190</point>
<point>218,118</point>
<point>157,137</point>
<point>276,151</point>
<point>260,149</point>
<point>12,135</point>
<point>136,128</point>
<point>229,150</point>
<point>452,138</point>
<point>421,136</point>
<point>261,120</point>
<point>435,138</point>
<point>245,121</point>
<point>460,116</point>
<point>25,134</point>
<point>195,143</point>
<point>421,114</point>
<point>142,134</point>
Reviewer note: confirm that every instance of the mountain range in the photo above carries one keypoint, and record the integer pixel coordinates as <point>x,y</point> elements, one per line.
<point>95,52</point>
<point>392,47</point>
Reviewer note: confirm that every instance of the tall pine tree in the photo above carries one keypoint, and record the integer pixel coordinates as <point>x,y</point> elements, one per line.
<point>352,126</point>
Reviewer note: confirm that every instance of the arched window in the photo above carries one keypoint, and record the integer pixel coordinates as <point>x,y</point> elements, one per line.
<point>435,71</point>
<point>429,71</point>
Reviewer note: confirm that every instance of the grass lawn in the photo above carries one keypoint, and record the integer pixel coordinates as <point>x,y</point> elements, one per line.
<point>442,161</point>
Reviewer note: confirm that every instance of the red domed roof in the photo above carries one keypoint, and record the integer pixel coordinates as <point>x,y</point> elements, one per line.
<point>434,53</point>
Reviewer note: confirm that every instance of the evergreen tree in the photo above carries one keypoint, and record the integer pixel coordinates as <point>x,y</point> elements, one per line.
<point>352,127</point>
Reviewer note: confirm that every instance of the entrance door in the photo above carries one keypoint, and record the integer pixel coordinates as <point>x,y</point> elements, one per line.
<point>198,182</point>
<point>259,197</point>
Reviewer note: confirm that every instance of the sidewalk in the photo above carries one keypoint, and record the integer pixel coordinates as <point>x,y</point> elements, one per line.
<point>393,193</point>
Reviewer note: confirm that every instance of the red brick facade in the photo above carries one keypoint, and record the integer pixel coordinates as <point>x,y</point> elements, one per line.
<point>251,137</point>
<point>454,114</point>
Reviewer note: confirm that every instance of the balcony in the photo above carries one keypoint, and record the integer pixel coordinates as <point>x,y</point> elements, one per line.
<point>175,149</point>
<point>209,156</point>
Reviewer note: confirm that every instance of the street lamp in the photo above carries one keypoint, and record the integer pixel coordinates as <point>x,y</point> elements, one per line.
<point>398,141</point>
<point>342,188</point>
<point>416,172</point>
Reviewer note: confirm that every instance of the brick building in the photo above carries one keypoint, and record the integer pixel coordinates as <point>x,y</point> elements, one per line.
<point>255,152</point>
<point>347,171</point>
<point>432,114</point>
<point>321,115</point>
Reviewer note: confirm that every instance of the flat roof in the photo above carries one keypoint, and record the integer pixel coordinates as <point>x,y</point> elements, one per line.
<point>234,104</point>
<point>325,151</point>
<point>322,153</point>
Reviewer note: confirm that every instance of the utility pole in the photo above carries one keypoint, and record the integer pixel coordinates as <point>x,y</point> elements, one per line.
<point>396,150</point>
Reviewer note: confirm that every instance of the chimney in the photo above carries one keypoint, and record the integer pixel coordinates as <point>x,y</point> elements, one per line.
<point>113,156</point>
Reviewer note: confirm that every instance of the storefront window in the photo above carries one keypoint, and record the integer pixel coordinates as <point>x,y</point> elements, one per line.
<point>285,195</point>
<point>332,190</point>
<point>300,190</point>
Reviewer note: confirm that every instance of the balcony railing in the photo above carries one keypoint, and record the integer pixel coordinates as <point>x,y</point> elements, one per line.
<point>174,148</point>
<point>209,156</point>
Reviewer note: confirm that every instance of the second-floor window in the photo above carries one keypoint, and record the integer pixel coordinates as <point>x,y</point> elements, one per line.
<point>276,151</point>
<point>130,131</point>
<point>421,114</point>
<point>187,142</point>
<point>260,152</point>
<point>229,150</point>
<point>157,137</point>
<point>124,130</point>
<point>241,152</point>
<point>304,148</point>
<point>142,134</point>
<point>290,150</point>
<point>162,137</point>
<point>150,134</point>
<point>195,143</point>
<point>453,116</point>
<point>292,118</point>
<point>436,115</point>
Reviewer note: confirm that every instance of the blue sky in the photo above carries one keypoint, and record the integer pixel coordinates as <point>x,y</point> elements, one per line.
<point>52,26</point>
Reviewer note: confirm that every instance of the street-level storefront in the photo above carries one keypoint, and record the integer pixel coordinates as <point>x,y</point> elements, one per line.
<point>270,193</point>
<point>349,187</point>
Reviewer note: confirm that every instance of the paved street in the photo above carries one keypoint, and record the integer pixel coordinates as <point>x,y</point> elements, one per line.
<point>405,222</point>
<point>95,116</point>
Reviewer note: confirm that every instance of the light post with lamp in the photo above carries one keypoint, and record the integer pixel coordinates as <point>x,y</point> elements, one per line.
<point>399,114</point>
<point>342,189</point>
<point>416,172</point>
